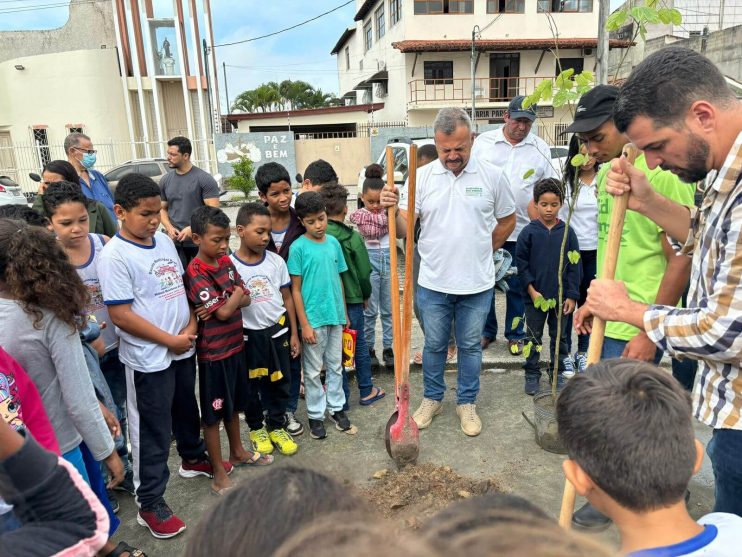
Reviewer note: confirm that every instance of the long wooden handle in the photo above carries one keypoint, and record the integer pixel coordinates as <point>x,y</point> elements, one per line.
<point>618,215</point>
<point>394,275</point>
<point>409,248</point>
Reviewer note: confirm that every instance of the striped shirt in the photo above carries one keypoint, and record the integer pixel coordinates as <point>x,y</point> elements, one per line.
<point>211,287</point>
<point>710,329</point>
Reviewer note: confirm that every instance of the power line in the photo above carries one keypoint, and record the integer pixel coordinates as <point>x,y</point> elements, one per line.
<point>287,28</point>
<point>19,9</point>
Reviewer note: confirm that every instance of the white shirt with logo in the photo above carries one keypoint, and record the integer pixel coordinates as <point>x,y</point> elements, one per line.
<point>721,537</point>
<point>457,216</point>
<point>264,280</point>
<point>516,161</point>
<point>150,278</point>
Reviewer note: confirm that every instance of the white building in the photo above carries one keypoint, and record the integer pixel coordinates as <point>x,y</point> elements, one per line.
<point>415,56</point>
<point>118,71</point>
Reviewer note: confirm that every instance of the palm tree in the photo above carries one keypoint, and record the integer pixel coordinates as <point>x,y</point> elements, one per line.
<point>292,95</point>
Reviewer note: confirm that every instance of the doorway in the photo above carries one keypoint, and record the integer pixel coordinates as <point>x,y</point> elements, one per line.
<point>504,74</point>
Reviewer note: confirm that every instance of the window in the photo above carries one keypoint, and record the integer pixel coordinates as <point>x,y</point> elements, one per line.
<point>395,11</point>
<point>368,35</point>
<point>379,17</point>
<point>574,6</point>
<point>506,6</point>
<point>117,173</point>
<point>74,128</point>
<point>347,57</point>
<point>41,142</point>
<point>150,169</point>
<point>444,6</point>
<point>577,64</point>
<point>438,73</point>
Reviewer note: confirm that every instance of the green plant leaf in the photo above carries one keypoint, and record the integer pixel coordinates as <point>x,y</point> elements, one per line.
<point>578,160</point>
<point>676,17</point>
<point>530,172</point>
<point>573,256</point>
<point>539,303</point>
<point>643,15</point>
<point>516,321</point>
<point>539,347</point>
<point>616,20</point>
<point>561,98</point>
<point>588,74</point>
<point>563,80</point>
<point>527,349</point>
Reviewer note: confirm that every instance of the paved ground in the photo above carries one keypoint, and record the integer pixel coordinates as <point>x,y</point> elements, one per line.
<point>505,450</point>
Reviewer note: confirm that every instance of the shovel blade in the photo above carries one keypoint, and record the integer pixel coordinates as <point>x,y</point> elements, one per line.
<point>404,441</point>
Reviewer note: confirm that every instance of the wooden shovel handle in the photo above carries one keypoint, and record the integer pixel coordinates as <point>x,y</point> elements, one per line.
<point>394,275</point>
<point>597,335</point>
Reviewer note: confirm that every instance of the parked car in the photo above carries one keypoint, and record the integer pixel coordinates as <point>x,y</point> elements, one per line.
<point>154,168</point>
<point>10,192</point>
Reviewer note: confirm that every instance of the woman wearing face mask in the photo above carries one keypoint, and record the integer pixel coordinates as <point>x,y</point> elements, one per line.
<point>82,155</point>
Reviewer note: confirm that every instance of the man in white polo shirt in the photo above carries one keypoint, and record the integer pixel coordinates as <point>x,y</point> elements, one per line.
<point>516,151</point>
<point>466,211</point>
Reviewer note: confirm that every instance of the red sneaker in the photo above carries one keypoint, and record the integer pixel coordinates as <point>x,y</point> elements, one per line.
<point>161,521</point>
<point>201,468</point>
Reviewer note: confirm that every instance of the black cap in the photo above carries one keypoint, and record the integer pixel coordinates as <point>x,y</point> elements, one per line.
<point>594,109</point>
<point>516,110</point>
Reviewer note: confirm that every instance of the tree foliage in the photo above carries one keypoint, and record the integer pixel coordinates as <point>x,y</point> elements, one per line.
<point>287,95</point>
<point>242,179</point>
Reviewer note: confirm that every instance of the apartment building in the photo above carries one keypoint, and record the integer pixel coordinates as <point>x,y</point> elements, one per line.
<point>417,56</point>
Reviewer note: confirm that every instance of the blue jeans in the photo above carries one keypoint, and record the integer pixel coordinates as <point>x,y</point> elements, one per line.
<point>613,348</point>
<point>9,522</point>
<point>515,306</point>
<point>362,358</point>
<point>468,312</point>
<point>380,301</point>
<point>293,401</point>
<point>725,452</point>
<point>328,351</point>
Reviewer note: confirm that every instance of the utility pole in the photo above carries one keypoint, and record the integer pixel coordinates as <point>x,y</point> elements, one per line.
<point>474,32</point>
<point>226,88</point>
<point>604,10</point>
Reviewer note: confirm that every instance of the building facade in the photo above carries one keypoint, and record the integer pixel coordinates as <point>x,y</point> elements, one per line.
<point>417,56</point>
<point>118,71</point>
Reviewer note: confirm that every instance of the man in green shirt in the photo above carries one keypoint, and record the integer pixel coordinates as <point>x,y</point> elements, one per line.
<point>647,263</point>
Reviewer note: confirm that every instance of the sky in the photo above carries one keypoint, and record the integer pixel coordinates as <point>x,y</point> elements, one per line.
<point>302,53</point>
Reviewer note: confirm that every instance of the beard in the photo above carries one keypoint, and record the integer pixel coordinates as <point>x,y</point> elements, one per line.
<point>697,155</point>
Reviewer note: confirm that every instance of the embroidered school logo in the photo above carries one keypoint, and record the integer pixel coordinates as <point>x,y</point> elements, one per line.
<point>165,271</point>
<point>203,295</point>
<point>217,403</point>
<point>260,289</point>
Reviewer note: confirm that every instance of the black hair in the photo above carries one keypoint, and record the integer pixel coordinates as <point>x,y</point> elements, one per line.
<point>206,215</point>
<point>664,85</point>
<point>335,197</point>
<point>427,151</point>
<point>271,173</point>
<point>548,185</point>
<point>320,173</point>
<point>23,213</point>
<point>250,210</point>
<point>296,495</point>
<point>628,425</point>
<point>59,193</point>
<point>373,180</point>
<point>182,143</point>
<point>134,187</point>
<point>309,203</point>
<point>64,169</point>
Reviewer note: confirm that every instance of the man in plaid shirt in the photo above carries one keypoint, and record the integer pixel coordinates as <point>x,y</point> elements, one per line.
<point>678,109</point>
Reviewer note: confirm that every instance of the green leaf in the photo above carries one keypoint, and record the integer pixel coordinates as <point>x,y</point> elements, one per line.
<point>676,17</point>
<point>643,15</point>
<point>573,256</point>
<point>616,20</point>
<point>547,91</point>
<point>516,321</point>
<point>539,347</point>
<point>665,15</point>
<point>530,172</point>
<point>548,304</point>
<point>579,160</point>
<point>527,349</point>
<point>539,303</point>
<point>561,98</point>
<point>563,80</point>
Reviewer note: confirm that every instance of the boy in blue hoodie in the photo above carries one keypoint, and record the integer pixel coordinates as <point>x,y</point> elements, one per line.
<point>537,254</point>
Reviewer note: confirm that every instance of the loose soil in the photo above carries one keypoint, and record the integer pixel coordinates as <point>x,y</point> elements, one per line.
<point>411,495</point>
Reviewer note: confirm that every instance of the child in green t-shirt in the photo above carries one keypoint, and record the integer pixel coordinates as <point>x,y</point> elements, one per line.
<point>315,263</point>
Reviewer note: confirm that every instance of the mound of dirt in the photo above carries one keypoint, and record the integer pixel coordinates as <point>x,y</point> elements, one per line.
<point>417,492</point>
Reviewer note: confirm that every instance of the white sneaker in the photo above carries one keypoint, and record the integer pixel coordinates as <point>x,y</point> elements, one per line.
<point>581,361</point>
<point>425,413</point>
<point>293,426</point>
<point>569,367</point>
<point>470,422</point>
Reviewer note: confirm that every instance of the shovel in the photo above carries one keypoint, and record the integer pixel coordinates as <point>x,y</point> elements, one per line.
<point>598,333</point>
<point>401,434</point>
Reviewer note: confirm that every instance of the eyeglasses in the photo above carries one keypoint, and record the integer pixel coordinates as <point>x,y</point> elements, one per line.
<point>88,151</point>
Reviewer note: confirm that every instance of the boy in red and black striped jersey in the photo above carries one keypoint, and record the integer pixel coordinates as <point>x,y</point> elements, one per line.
<point>213,283</point>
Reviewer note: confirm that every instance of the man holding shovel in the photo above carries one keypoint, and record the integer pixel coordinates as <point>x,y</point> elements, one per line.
<point>677,108</point>
<point>466,209</point>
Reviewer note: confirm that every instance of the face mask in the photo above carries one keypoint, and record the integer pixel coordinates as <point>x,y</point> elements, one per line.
<point>88,160</point>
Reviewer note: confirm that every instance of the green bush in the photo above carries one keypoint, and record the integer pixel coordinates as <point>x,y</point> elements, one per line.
<point>242,179</point>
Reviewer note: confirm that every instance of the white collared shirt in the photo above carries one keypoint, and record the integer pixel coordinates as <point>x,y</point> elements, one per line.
<point>515,161</point>
<point>457,216</point>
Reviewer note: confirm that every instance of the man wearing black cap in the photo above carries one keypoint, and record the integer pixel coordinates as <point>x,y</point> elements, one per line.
<point>646,263</point>
<point>515,150</point>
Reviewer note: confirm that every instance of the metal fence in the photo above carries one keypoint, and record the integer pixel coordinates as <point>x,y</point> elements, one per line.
<point>19,159</point>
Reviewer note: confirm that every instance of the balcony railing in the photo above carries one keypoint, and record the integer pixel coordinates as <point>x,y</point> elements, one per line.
<point>458,89</point>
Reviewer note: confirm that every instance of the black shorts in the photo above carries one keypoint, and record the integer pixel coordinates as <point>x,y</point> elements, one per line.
<point>222,388</point>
